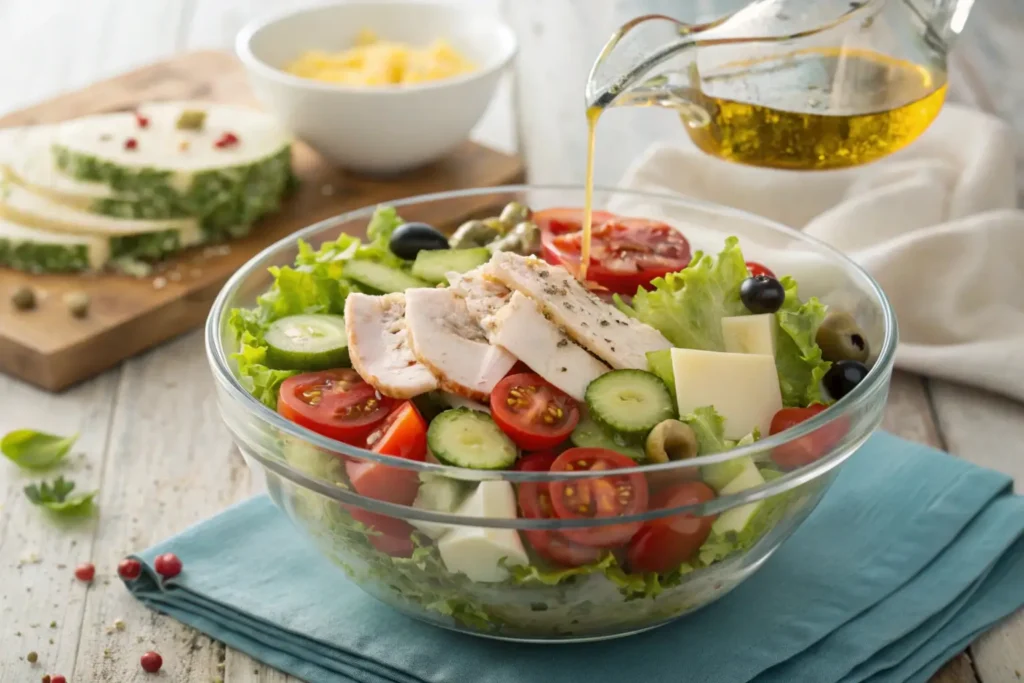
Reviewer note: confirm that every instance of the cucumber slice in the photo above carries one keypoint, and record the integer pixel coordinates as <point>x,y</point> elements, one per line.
<point>468,438</point>
<point>433,266</point>
<point>307,342</point>
<point>590,434</point>
<point>629,401</point>
<point>381,278</point>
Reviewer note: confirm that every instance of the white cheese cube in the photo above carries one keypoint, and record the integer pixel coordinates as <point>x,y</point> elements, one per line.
<point>476,551</point>
<point>743,388</point>
<point>750,334</point>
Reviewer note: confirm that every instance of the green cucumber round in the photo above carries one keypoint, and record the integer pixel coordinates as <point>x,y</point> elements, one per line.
<point>629,401</point>
<point>470,438</point>
<point>307,342</point>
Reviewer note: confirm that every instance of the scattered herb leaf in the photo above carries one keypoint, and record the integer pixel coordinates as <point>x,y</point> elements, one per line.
<point>35,450</point>
<point>56,497</point>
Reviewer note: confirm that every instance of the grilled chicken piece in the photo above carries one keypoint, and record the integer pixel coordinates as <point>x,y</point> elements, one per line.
<point>598,327</point>
<point>483,297</point>
<point>522,329</point>
<point>447,340</point>
<point>378,344</point>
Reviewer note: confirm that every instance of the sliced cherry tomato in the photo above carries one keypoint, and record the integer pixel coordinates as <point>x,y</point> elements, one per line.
<point>519,368</point>
<point>534,414</point>
<point>625,253</point>
<point>806,449</point>
<point>335,403</point>
<point>562,221</point>
<point>394,535</point>
<point>756,269</point>
<point>663,544</point>
<point>535,503</point>
<point>403,434</point>
<point>599,498</point>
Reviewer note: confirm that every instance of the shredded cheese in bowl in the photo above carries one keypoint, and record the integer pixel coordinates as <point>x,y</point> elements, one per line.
<point>372,61</point>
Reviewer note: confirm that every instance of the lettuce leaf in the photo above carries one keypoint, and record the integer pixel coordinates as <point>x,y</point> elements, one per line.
<point>258,379</point>
<point>771,511</point>
<point>633,586</point>
<point>797,354</point>
<point>687,307</point>
<point>660,363</point>
<point>710,429</point>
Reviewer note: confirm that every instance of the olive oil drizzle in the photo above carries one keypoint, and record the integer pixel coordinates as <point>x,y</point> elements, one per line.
<point>593,114</point>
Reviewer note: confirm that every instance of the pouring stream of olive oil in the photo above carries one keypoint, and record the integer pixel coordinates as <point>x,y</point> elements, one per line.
<point>813,109</point>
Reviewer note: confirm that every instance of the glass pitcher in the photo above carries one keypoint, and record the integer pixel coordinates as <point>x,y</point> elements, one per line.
<point>795,84</point>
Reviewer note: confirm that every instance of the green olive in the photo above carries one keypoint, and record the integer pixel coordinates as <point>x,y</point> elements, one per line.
<point>524,239</point>
<point>513,214</point>
<point>841,338</point>
<point>473,233</point>
<point>495,223</point>
<point>671,440</point>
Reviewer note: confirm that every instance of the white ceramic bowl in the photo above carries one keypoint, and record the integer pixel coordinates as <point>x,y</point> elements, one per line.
<point>376,129</point>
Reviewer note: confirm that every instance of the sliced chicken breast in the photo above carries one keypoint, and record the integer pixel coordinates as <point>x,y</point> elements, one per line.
<point>483,296</point>
<point>602,329</point>
<point>522,329</point>
<point>378,344</point>
<point>447,340</point>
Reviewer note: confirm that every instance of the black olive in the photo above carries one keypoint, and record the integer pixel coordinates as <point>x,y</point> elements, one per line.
<point>762,294</point>
<point>843,376</point>
<point>410,239</point>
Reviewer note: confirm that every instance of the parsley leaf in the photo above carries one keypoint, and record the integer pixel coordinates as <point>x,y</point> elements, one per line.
<point>56,497</point>
<point>35,450</point>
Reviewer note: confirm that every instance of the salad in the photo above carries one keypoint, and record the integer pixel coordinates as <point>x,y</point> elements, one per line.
<point>483,351</point>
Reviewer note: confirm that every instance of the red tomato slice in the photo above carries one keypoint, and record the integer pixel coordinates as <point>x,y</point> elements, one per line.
<point>611,496</point>
<point>756,269</point>
<point>534,414</point>
<point>806,449</point>
<point>665,543</point>
<point>402,434</point>
<point>562,221</point>
<point>335,403</point>
<point>535,503</point>
<point>625,253</point>
<point>394,535</point>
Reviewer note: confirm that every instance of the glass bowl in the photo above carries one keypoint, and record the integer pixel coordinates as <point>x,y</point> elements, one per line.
<point>543,601</point>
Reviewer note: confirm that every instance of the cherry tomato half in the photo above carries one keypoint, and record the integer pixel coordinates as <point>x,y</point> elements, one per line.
<point>534,414</point>
<point>535,503</point>
<point>625,253</point>
<point>402,434</point>
<point>806,449</point>
<point>756,269</point>
<point>335,403</point>
<point>663,544</point>
<point>599,498</point>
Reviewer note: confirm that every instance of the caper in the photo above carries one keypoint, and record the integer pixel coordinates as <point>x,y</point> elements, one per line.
<point>77,303</point>
<point>513,214</point>
<point>24,298</point>
<point>841,338</point>
<point>471,234</point>
<point>671,440</point>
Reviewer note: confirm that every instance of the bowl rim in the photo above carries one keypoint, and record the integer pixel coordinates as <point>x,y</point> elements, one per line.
<point>223,374</point>
<point>243,48</point>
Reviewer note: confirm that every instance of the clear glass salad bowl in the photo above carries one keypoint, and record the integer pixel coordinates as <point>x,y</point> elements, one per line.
<point>543,601</point>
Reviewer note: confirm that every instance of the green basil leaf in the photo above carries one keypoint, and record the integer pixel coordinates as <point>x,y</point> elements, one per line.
<point>57,498</point>
<point>35,450</point>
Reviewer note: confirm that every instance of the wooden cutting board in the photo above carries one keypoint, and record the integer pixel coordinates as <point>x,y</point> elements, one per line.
<point>53,350</point>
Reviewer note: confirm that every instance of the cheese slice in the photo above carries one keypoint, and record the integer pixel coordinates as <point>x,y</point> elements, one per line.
<point>476,551</point>
<point>13,235</point>
<point>736,519</point>
<point>750,334</point>
<point>743,388</point>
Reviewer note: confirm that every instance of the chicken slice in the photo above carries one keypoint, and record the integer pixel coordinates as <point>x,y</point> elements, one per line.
<point>600,328</point>
<point>522,329</point>
<point>378,344</point>
<point>446,339</point>
<point>483,297</point>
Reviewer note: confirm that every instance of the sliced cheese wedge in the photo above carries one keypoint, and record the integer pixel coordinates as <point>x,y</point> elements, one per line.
<point>750,334</point>
<point>743,388</point>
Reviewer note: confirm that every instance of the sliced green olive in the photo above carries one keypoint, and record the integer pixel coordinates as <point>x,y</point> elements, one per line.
<point>513,214</point>
<point>475,233</point>
<point>524,239</point>
<point>841,338</point>
<point>671,440</point>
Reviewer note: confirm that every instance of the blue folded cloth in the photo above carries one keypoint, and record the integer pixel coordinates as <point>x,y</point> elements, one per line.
<point>910,556</point>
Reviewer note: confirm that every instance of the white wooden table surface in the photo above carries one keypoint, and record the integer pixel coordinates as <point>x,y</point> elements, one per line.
<point>152,440</point>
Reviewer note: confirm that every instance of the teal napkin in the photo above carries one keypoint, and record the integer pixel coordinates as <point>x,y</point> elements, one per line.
<point>910,556</point>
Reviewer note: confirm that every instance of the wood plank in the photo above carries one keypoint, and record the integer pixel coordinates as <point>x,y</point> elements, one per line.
<point>128,315</point>
<point>171,463</point>
<point>957,670</point>
<point>44,591</point>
